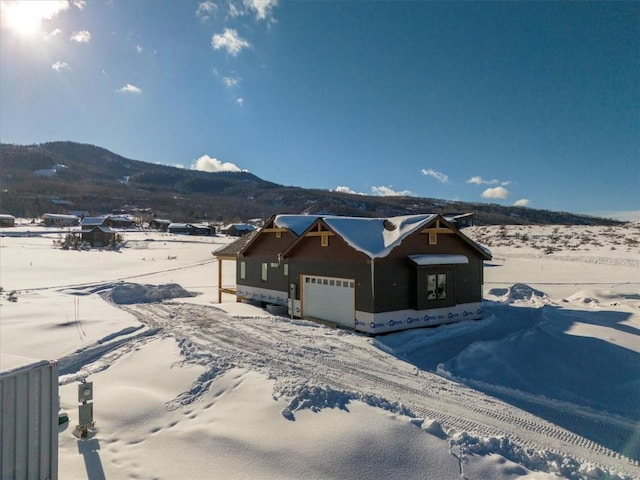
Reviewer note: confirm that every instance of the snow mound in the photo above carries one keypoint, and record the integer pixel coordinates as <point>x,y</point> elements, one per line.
<point>588,297</point>
<point>518,292</point>
<point>315,398</point>
<point>534,460</point>
<point>130,293</point>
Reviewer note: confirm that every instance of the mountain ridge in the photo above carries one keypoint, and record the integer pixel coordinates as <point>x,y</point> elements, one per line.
<point>56,177</point>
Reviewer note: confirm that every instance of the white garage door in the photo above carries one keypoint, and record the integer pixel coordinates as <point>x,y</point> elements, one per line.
<point>330,299</point>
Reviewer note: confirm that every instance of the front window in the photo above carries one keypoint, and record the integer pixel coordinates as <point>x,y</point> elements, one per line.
<point>436,286</point>
<point>265,271</point>
<point>243,270</point>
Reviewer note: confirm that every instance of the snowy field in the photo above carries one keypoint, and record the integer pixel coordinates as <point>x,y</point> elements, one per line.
<point>547,386</point>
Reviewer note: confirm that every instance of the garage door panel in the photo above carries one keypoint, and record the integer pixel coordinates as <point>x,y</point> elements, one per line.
<point>330,299</point>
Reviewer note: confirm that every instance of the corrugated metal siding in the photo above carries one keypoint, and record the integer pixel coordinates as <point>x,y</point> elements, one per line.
<point>29,422</point>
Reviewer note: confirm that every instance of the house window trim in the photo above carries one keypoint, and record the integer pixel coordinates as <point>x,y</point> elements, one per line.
<point>243,270</point>
<point>421,292</point>
<point>264,275</point>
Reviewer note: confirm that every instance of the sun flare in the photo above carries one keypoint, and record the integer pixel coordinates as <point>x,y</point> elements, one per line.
<point>25,17</point>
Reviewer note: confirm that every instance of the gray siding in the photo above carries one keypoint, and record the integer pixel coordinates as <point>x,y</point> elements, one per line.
<point>29,422</point>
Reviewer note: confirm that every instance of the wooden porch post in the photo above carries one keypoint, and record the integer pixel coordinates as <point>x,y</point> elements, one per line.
<point>219,280</point>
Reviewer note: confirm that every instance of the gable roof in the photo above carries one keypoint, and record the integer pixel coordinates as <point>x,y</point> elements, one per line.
<point>376,237</point>
<point>233,249</point>
<point>297,224</point>
<point>93,221</point>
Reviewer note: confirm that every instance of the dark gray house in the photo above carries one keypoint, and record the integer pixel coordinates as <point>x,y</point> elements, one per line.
<point>370,274</point>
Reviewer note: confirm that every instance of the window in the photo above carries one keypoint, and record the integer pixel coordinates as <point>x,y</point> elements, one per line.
<point>243,270</point>
<point>278,234</point>
<point>436,286</point>
<point>324,240</point>
<point>433,238</point>
<point>265,272</point>
<point>286,269</point>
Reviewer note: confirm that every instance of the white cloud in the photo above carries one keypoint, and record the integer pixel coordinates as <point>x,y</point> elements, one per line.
<point>480,181</point>
<point>439,176</point>
<point>383,191</point>
<point>205,10</point>
<point>207,164</point>
<point>230,81</point>
<point>262,8</point>
<point>496,192</point>
<point>83,36</point>
<point>230,41</point>
<point>139,48</point>
<point>343,189</point>
<point>51,35</point>
<point>128,88</point>
<point>523,202</point>
<point>240,101</point>
<point>60,66</point>
<point>235,11</point>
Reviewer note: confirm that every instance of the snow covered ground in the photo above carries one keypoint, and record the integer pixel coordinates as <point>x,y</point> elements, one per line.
<point>547,386</point>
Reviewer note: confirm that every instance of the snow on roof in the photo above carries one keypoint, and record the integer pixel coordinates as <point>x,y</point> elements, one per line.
<point>438,259</point>
<point>376,237</point>
<point>60,216</point>
<point>240,226</point>
<point>7,216</point>
<point>86,221</point>
<point>296,223</point>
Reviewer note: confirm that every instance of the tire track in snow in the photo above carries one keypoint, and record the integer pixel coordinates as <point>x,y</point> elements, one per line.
<point>287,350</point>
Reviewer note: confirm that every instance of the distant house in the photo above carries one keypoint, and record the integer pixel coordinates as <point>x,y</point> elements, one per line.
<point>98,236</point>
<point>7,220</point>
<point>59,220</point>
<point>238,229</point>
<point>461,220</point>
<point>159,224</point>
<point>112,221</point>
<point>120,221</point>
<point>191,229</point>
<point>371,274</point>
<point>90,222</point>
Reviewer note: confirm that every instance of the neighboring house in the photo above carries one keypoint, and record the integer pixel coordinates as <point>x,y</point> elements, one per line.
<point>461,220</point>
<point>59,220</point>
<point>120,221</point>
<point>7,220</point>
<point>98,236</point>
<point>97,232</point>
<point>370,274</point>
<point>191,229</point>
<point>111,221</point>
<point>90,222</point>
<point>238,229</point>
<point>159,224</point>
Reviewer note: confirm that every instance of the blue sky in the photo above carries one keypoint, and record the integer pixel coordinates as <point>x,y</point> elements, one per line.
<point>528,103</point>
